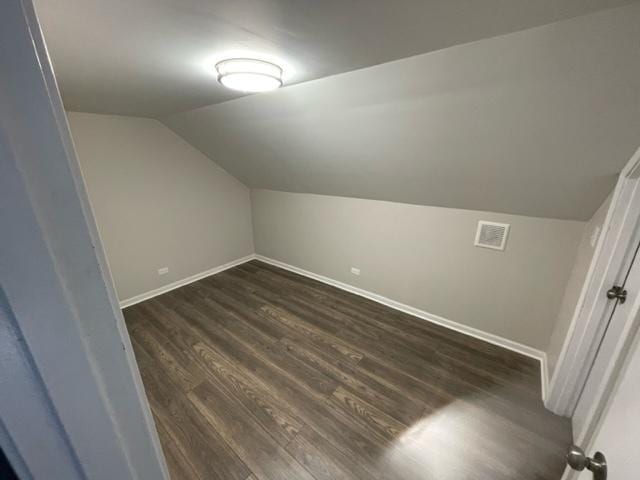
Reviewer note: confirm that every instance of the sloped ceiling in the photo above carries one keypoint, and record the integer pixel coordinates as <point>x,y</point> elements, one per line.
<point>535,123</point>
<point>155,57</point>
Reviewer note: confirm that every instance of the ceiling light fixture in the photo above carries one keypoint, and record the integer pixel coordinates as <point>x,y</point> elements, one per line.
<point>249,75</point>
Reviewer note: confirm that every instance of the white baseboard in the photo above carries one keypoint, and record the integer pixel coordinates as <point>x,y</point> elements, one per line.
<point>544,376</point>
<point>185,281</point>
<point>458,327</point>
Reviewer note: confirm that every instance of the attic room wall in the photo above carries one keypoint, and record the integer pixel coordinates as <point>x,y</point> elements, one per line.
<point>574,285</point>
<point>424,257</point>
<point>158,202</point>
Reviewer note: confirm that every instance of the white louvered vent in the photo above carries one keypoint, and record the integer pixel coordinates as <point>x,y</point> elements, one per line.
<point>492,235</point>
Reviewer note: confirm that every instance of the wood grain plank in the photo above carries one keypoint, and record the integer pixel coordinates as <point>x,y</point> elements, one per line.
<point>196,450</point>
<point>325,460</point>
<point>272,413</point>
<point>265,458</point>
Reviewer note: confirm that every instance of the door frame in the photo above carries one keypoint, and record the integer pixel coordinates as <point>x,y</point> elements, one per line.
<point>73,405</point>
<point>593,309</point>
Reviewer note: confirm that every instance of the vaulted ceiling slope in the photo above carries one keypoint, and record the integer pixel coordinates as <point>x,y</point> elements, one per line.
<point>155,57</point>
<point>535,123</point>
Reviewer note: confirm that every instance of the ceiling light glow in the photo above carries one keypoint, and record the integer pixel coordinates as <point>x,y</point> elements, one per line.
<point>249,75</point>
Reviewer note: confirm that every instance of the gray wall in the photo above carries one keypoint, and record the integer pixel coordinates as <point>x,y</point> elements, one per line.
<point>158,202</point>
<point>574,285</point>
<point>424,257</point>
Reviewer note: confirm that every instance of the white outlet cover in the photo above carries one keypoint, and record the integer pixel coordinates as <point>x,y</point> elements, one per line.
<point>355,271</point>
<point>163,271</point>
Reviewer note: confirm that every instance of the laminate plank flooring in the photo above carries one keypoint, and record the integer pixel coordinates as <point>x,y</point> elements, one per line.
<point>257,373</point>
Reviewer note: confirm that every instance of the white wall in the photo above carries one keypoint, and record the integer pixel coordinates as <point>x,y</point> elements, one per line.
<point>574,285</point>
<point>424,257</point>
<point>158,202</point>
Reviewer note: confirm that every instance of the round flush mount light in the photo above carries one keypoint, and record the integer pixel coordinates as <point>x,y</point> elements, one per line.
<point>249,75</point>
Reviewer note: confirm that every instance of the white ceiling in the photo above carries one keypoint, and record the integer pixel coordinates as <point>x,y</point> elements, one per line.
<point>536,123</point>
<point>149,57</point>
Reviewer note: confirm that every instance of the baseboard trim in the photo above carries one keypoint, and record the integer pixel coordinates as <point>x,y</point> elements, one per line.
<point>544,376</point>
<point>444,322</point>
<point>185,281</point>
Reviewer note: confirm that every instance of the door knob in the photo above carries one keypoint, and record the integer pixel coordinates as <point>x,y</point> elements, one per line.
<point>617,292</point>
<point>577,460</point>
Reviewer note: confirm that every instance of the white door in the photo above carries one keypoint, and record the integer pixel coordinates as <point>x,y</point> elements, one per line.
<point>616,338</point>
<point>618,432</point>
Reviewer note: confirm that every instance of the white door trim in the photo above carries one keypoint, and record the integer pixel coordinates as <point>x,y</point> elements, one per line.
<point>73,405</point>
<point>593,308</point>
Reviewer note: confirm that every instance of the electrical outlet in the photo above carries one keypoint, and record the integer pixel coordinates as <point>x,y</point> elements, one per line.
<point>163,271</point>
<point>355,271</point>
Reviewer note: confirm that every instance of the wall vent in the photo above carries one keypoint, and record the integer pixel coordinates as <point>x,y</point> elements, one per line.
<point>492,235</point>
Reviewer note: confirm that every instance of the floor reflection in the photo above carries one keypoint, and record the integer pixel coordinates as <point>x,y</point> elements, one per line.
<point>471,438</point>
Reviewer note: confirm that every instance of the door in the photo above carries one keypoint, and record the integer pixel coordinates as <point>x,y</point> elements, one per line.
<point>615,429</point>
<point>600,375</point>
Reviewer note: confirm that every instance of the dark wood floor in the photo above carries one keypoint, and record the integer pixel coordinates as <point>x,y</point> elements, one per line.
<point>258,373</point>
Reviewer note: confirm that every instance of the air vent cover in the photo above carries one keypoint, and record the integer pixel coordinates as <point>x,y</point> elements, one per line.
<point>492,235</point>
